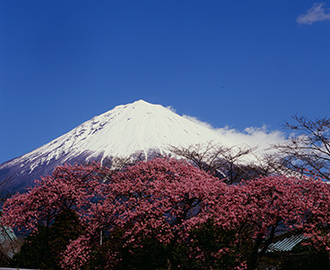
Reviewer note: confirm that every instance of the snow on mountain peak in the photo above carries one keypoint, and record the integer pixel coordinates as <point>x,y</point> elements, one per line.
<point>141,126</point>
<point>122,131</point>
<point>125,130</point>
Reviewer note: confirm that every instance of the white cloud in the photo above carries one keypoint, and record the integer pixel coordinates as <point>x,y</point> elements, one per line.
<point>197,121</point>
<point>261,138</point>
<point>316,13</point>
<point>171,109</point>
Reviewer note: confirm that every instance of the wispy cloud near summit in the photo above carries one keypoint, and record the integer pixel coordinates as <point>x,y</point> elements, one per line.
<point>316,13</point>
<point>251,136</point>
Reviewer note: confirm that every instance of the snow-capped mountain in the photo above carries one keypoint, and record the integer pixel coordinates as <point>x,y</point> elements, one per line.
<point>122,131</point>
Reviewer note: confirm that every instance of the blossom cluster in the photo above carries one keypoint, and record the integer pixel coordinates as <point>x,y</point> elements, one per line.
<point>171,201</point>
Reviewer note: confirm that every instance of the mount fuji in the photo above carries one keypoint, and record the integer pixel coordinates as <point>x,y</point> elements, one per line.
<point>139,127</point>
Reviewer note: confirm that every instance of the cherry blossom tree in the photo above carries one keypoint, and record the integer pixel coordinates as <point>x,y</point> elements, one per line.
<point>307,151</point>
<point>193,219</point>
<point>70,189</point>
<point>224,162</point>
<point>159,199</point>
<point>260,209</point>
<point>173,202</point>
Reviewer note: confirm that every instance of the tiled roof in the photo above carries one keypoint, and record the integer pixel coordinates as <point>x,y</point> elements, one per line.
<point>7,237</point>
<point>287,244</point>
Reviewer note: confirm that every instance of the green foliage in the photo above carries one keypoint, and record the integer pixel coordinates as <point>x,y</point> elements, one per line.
<point>312,260</point>
<point>207,239</point>
<point>43,248</point>
<point>202,252</point>
<point>305,257</point>
<point>34,252</point>
<point>149,255</point>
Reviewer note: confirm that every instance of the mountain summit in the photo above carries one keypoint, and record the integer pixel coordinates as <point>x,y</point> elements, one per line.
<point>125,130</point>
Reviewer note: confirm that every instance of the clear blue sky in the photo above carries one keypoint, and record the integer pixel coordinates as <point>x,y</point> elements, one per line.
<point>229,63</point>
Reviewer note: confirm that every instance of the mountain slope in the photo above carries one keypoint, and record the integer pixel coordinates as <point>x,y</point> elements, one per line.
<point>122,131</point>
